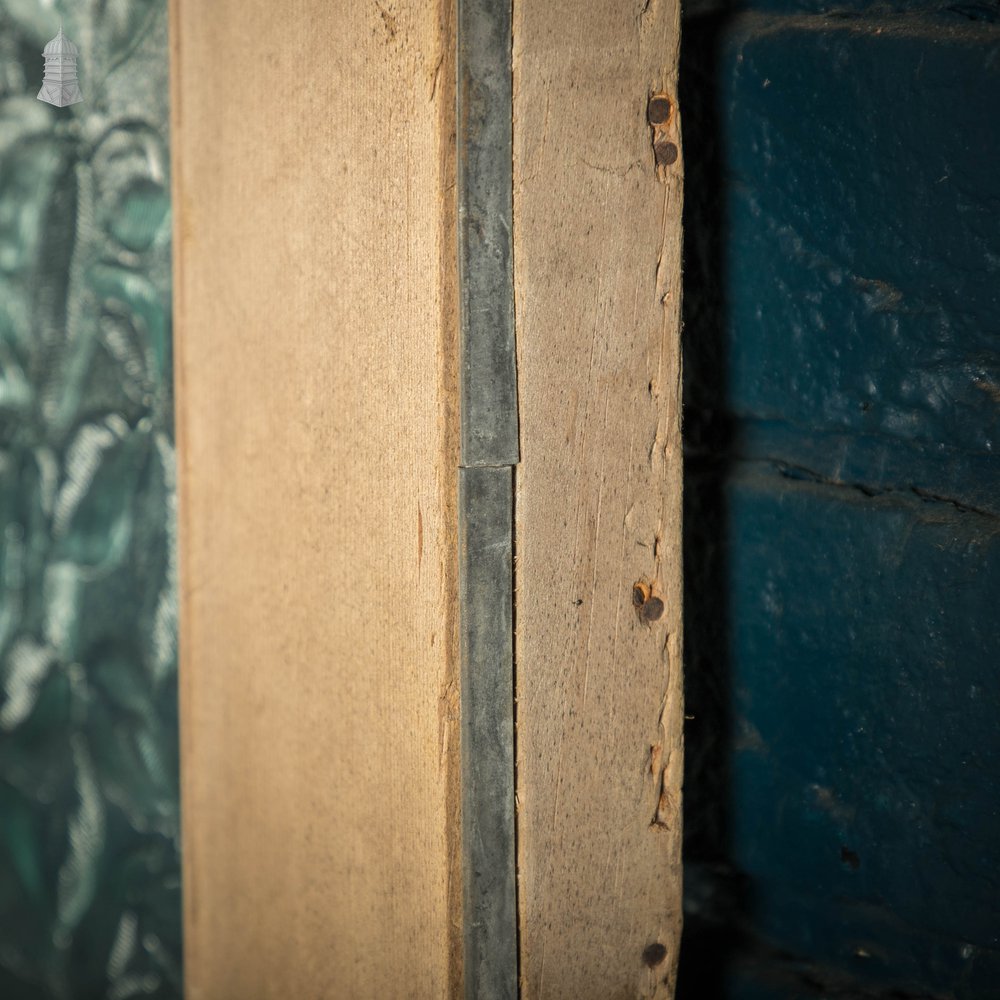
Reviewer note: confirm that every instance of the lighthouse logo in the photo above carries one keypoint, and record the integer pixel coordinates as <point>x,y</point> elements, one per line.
<point>60,86</point>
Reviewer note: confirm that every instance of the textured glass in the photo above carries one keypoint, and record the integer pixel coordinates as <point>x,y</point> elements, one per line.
<point>89,838</point>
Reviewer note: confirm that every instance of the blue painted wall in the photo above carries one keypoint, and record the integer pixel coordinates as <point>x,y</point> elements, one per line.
<point>842,354</point>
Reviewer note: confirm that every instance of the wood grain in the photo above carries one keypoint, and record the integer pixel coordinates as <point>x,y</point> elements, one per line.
<point>599,696</point>
<point>315,376</point>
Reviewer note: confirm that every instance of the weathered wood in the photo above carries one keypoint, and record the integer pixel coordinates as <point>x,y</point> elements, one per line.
<point>316,379</point>
<point>599,713</point>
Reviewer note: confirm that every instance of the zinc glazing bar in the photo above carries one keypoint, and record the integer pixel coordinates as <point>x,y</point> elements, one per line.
<point>486,595</point>
<point>489,450</point>
<point>485,210</point>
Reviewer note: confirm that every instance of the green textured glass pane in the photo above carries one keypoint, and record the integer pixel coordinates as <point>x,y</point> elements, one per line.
<point>89,822</point>
<point>139,215</point>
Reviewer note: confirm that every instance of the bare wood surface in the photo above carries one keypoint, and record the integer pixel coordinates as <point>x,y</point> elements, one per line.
<point>316,387</point>
<point>597,228</point>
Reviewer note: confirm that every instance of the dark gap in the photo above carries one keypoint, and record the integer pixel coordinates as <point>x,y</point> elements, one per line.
<point>717,898</point>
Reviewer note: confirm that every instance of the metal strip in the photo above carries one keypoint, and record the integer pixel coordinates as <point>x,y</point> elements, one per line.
<point>489,450</point>
<point>485,213</point>
<point>486,596</point>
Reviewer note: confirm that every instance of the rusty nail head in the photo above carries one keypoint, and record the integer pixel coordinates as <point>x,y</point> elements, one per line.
<point>666,153</point>
<point>658,110</point>
<point>654,954</point>
<point>652,609</point>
